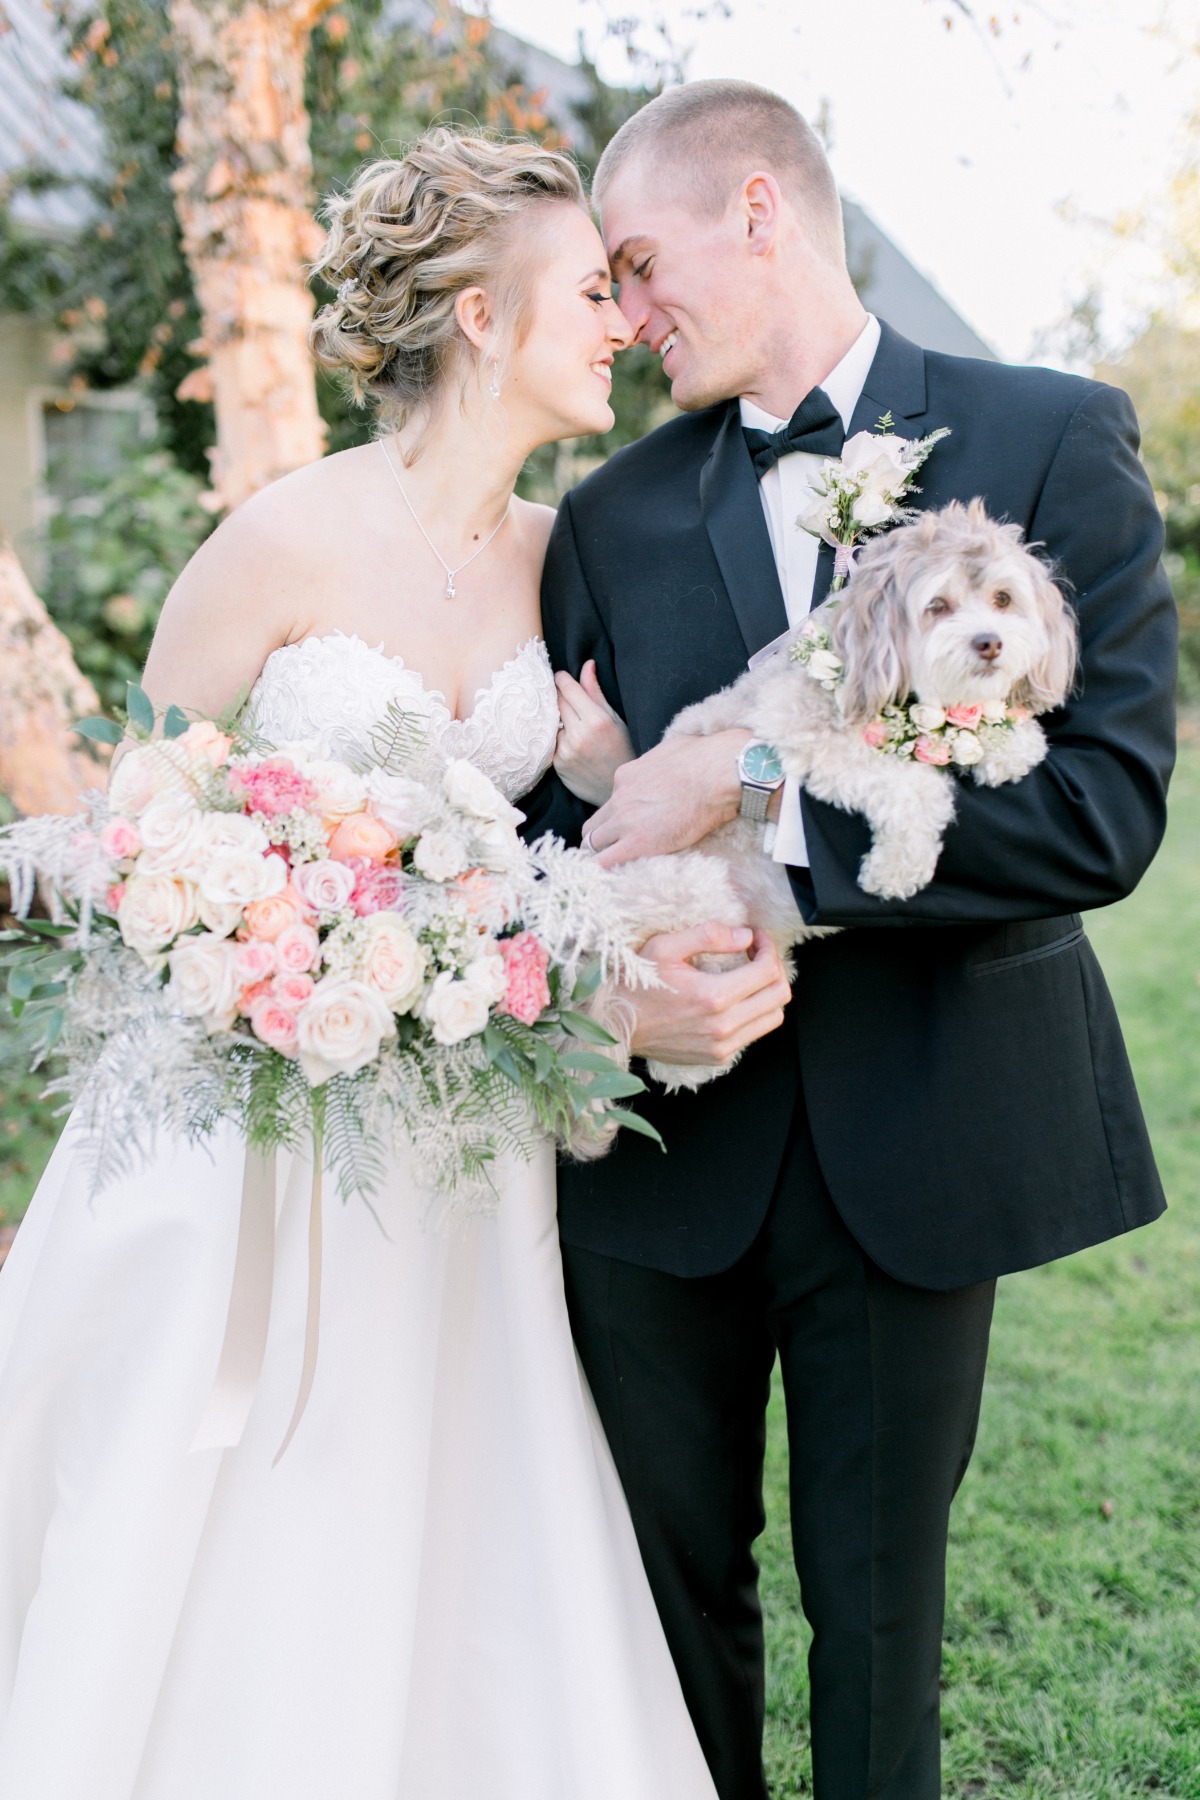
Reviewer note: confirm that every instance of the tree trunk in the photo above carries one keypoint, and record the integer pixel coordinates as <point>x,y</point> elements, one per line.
<point>42,694</point>
<point>243,195</point>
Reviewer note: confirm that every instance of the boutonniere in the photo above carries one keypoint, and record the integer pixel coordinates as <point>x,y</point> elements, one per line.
<point>861,491</point>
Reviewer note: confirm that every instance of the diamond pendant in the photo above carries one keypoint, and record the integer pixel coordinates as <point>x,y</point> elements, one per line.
<point>450,587</point>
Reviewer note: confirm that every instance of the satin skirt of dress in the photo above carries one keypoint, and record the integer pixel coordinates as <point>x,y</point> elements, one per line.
<point>435,1595</point>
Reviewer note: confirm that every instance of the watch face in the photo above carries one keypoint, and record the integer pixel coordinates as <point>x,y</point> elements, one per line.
<point>760,763</point>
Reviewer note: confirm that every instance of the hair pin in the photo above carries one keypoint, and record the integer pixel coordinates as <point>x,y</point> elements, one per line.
<point>350,286</point>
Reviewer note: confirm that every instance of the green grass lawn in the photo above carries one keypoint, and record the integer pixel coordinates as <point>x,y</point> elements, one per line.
<point>1073,1624</point>
<point>1073,1630</point>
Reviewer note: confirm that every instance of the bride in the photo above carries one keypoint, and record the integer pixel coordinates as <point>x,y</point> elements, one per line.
<point>436,1594</point>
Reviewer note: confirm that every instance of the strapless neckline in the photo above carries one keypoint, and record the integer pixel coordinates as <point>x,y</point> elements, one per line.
<point>534,643</point>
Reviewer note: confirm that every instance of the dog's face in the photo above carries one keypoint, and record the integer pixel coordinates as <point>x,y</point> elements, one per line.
<point>955,610</point>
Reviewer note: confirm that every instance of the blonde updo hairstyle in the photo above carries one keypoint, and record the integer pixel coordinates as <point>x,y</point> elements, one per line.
<point>407,238</point>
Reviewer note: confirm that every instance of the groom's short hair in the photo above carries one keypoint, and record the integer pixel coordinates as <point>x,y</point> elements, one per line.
<point>707,136</point>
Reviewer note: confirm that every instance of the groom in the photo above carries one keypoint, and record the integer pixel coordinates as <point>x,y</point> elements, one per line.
<point>948,1097</point>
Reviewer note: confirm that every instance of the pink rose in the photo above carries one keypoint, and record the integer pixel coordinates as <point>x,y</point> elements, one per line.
<point>292,990</point>
<point>207,742</point>
<point>932,750</point>
<point>1020,715</point>
<point>112,898</point>
<point>255,960</point>
<point>256,990</point>
<point>967,717</point>
<point>378,887</point>
<point>875,734</point>
<point>527,993</point>
<point>325,885</point>
<point>297,949</point>
<point>274,1024</point>
<point>120,839</point>
<point>361,836</point>
<point>273,787</point>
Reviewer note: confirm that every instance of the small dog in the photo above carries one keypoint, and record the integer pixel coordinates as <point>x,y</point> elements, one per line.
<point>949,639</point>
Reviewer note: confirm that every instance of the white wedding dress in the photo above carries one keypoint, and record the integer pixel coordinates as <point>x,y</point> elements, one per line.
<point>436,1594</point>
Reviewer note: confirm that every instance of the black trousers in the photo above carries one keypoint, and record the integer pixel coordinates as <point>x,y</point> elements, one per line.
<point>882,1384</point>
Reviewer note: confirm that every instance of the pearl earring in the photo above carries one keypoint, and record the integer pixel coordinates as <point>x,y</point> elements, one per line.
<point>494,384</point>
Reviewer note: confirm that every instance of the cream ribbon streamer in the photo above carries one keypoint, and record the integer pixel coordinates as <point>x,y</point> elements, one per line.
<point>244,1346</point>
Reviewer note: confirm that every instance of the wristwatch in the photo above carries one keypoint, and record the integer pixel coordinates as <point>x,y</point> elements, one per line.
<point>761,774</point>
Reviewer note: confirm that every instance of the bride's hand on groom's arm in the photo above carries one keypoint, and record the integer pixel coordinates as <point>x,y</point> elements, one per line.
<point>593,741</point>
<point>699,1017</point>
<point>670,798</point>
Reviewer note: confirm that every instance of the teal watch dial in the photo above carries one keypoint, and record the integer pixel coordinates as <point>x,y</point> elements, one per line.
<point>760,763</point>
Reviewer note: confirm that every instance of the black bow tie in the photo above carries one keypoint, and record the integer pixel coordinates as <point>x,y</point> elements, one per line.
<point>815,426</point>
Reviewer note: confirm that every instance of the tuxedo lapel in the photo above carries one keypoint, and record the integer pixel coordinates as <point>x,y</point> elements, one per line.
<point>895,384</point>
<point>731,507</point>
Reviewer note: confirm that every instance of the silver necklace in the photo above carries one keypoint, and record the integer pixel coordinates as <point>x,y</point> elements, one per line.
<point>450,573</point>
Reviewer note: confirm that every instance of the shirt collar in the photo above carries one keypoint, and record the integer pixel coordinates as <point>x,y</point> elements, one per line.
<point>844,384</point>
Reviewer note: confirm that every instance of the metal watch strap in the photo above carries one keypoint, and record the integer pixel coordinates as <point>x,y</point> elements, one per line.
<point>755,801</point>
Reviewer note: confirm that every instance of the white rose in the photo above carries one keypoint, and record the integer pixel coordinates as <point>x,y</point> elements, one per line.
<point>204,981</point>
<point>966,749</point>
<point>340,791</point>
<point>440,856</point>
<point>403,805</point>
<point>995,711</point>
<point>154,910</point>
<point>391,961</point>
<point>489,976</point>
<point>324,885</point>
<point>454,1010</point>
<point>814,514</point>
<point>146,772</point>
<point>233,831</point>
<point>174,837</point>
<point>340,1028</point>
<point>872,506</point>
<point>927,718</point>
<point>236,877</point>
<point>471,791</point>
<point>823,665</point>
<point>881,456</point>
<point>220,920</point>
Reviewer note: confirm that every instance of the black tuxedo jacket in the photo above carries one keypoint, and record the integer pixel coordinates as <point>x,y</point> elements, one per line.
<point>968,1089</point>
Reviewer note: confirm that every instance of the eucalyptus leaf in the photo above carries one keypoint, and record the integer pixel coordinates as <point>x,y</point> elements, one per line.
<point>175,722</point>
<point>631,1121</point>
<point>580,1026</point>
<point>101,731</point>
<point>587,982</point>
<point>140,707</point>
<point>615,1085</point>
<point>585,1059</point>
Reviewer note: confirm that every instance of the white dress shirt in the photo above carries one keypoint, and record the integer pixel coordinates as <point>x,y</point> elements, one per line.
<point>784,490</point>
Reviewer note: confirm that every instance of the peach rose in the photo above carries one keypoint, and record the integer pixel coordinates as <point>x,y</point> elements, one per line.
<point>250,995</point>
<point>268,918</point>
<point>875,734</point>
<point>361,835</point>
<point>206,742</point>
<point>967,717</point>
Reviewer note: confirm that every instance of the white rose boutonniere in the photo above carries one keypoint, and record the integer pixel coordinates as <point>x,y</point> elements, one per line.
<point>861,491</point>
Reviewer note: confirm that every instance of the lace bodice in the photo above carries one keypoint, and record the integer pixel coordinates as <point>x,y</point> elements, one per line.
<point>335,688</point>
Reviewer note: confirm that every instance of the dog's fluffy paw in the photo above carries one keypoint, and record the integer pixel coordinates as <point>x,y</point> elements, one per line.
<point>686,1077</point>
<point>897,871</point>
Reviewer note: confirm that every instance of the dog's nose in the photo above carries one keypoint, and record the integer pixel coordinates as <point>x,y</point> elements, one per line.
<point>987,648</point>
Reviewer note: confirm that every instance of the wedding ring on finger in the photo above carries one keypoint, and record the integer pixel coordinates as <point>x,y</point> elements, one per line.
<point>585,842</point>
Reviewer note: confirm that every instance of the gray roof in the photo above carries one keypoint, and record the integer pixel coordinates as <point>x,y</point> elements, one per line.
<point>889,285</point>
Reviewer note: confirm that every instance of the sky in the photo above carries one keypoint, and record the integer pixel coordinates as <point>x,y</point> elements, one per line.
<point>997,163</point>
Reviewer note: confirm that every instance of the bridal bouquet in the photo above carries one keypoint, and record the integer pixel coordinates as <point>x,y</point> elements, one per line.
<point>319,952</point>
<point>861,492</point>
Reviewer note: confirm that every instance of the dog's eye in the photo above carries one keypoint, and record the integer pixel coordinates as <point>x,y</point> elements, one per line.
<point>939,604</point>
<point>1002,599</point>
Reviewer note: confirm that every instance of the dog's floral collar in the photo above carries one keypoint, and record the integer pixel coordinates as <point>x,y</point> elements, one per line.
<point>940,735</point>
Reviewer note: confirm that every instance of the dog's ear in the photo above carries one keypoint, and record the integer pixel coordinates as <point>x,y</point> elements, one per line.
<point>1051,678</point>
<point>870,628</point>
